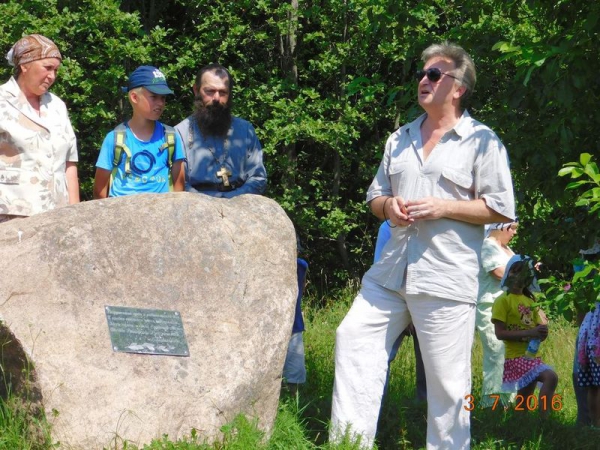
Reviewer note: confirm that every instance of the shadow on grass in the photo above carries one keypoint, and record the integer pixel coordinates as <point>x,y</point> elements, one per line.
<point>402,424</point>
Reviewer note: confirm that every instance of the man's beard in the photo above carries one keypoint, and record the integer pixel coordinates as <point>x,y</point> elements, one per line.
<point>214,119</point>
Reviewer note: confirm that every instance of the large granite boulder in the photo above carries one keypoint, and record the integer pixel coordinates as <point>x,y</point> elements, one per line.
<point>228,267</point>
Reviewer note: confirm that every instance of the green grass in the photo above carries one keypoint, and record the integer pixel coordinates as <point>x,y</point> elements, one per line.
<point>302,419</point>
<point>402,423</point>
<point>22,430</point>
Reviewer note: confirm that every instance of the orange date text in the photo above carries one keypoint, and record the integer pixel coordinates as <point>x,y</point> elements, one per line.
<point>529,403</point>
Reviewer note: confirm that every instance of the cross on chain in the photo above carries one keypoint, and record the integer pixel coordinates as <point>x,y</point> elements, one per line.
<point>224,174</point>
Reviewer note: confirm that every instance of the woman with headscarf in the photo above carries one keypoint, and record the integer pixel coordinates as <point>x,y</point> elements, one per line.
<point>38,149</point>
<point>495,253</point>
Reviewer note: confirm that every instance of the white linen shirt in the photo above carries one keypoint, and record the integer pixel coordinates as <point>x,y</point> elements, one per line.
<point>440,257</point>
<point>34,150</point>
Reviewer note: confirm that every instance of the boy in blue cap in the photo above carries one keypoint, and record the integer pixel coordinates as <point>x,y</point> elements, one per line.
<point>141,155</point>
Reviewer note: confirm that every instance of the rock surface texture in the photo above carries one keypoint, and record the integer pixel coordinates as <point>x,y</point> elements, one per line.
<point>227,266</point>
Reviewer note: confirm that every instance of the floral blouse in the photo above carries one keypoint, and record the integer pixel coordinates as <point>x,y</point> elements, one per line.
<point>34,150</point>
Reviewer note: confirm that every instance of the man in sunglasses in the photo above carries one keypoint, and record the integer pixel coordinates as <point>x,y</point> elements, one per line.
<point>442,177</point>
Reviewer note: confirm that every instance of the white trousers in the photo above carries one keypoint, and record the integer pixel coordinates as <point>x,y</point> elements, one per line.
<point>363,343</point>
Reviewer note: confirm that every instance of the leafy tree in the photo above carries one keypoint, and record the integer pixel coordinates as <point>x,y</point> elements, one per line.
<point>325,83</point>
<point>583,291</point>
<point>553,101</point>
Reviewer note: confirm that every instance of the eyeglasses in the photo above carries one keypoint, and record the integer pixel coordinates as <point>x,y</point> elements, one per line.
<point>433,74</point>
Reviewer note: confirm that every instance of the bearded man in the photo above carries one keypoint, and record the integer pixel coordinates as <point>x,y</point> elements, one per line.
<point>224,155</point>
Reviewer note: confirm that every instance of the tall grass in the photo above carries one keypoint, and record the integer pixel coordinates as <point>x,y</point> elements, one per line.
<point>402,424</point>
<point>303,418</point>
<point>21,429</point>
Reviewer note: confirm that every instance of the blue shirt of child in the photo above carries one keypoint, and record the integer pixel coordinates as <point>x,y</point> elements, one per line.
<point>383,236</point>
<point>149,164</point>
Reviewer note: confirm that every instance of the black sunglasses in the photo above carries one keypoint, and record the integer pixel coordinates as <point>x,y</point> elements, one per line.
<point>433,74</point>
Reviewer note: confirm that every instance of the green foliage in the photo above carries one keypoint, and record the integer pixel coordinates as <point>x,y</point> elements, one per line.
<point>21,429</point>
<point>191,443</point>
<point>327,82</point>
<point>551,56</point>
<point>582,292</point>
<point>290,428</point>
<point>585,167</point>
<point>242,434</point>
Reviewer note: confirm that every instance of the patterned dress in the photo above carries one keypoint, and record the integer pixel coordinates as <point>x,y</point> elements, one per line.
<point>588,349</point>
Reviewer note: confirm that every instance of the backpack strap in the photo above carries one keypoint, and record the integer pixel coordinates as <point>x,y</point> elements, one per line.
<point>169,144</point>
<point>120,148</point>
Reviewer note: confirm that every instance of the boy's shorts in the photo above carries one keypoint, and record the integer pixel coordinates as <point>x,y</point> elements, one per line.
<point>294,369</point>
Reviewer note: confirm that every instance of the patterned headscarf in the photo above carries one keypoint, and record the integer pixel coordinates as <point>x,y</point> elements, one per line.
<point>31,48</point>
<point>498,226</point>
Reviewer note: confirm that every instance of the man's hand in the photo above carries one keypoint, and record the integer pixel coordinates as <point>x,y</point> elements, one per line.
<point>427,208</point>
<point>395,211</point>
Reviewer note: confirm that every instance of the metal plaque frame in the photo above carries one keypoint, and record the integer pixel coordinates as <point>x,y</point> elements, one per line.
<point>146,331</point>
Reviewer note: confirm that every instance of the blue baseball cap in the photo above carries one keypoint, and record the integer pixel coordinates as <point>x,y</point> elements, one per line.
<point>149,77</point>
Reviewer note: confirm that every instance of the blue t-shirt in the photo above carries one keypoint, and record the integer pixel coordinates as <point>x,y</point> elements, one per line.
<point>149,164</point>
<point>298,319</point>
<point>383,235</point>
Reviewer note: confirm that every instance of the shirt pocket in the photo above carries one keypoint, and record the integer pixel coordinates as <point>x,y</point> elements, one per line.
<point>401,177</point>
<point>457,184</point>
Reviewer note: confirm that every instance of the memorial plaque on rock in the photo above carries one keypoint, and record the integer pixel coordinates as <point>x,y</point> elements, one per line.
<point>147,331</point>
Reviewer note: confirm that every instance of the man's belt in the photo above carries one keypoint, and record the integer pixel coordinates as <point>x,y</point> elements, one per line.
<point>217,186</point>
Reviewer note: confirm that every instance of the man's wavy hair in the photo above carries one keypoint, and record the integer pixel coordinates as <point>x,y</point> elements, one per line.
<point>465,68</point>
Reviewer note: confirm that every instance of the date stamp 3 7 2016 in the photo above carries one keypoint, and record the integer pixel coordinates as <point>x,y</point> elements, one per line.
<point>529,403</point>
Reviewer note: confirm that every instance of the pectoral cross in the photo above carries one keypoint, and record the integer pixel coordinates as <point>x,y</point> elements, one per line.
<point>224,174</point>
